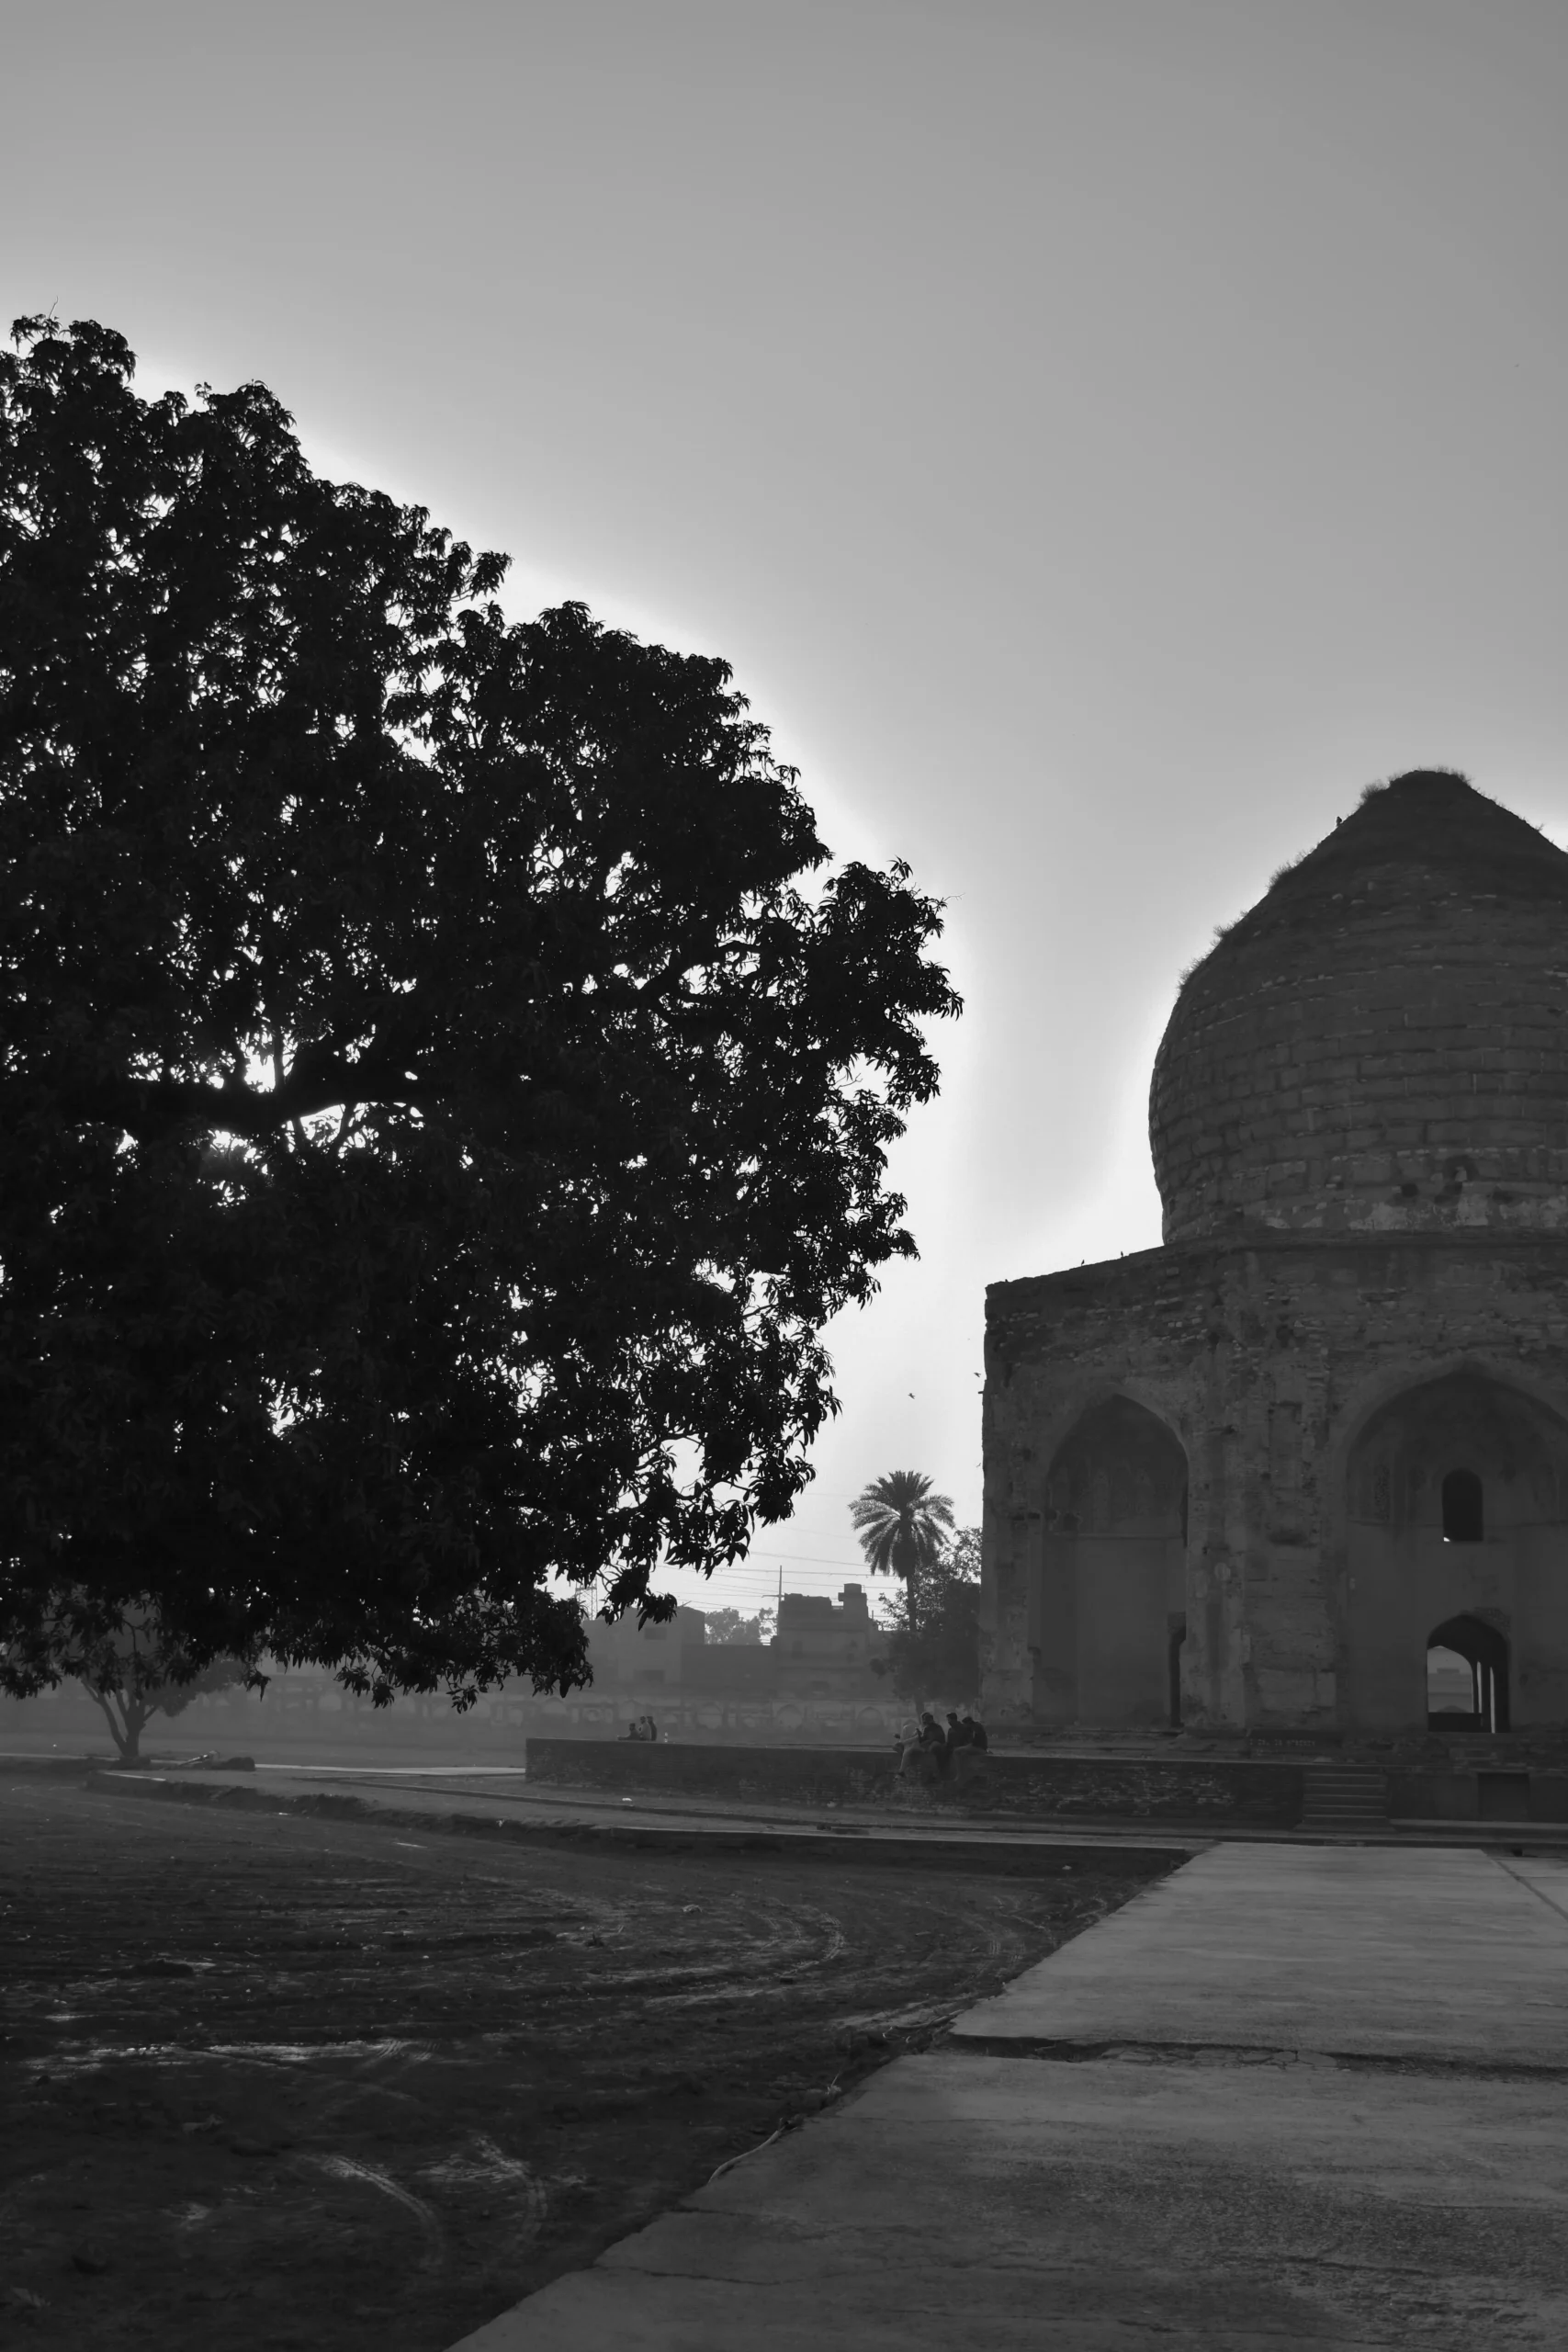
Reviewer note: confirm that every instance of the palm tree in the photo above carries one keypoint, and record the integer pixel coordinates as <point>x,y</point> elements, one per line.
<point>901,1527</point>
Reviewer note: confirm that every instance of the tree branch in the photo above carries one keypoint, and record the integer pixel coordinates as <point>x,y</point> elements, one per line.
<point>152,1107</point>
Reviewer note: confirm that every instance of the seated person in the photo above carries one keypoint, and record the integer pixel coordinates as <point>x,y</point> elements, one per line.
<point>927,1742</point>
<point>954,1738</point>
<point>976,1729</point>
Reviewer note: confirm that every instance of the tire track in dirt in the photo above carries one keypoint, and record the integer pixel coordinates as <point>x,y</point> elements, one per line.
<point>300,2065</point>
<point>354,2168</point>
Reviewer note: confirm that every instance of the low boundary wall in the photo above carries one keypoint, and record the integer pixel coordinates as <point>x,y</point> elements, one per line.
<point>1479,1795</point>
<point>1250,1793</point>
<point>1264,1795</point>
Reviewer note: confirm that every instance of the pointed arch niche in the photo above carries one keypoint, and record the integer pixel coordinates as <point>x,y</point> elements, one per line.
<point>1108,1603</point>
<point>1458,1516</point>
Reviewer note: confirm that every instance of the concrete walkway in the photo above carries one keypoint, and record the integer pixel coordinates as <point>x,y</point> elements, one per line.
<point>1450,1958</point>
<point>1291,2096</point>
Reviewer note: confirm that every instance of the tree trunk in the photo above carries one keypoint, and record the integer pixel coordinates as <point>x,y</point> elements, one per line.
<point>125,1729</point>
<point>906,1561</point>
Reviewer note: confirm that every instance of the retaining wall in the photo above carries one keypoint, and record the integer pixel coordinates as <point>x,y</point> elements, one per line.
<point>1261,1796</point>
<point>1478,1796</point>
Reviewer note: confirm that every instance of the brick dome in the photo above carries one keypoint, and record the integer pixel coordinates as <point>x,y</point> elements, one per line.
<point>1380,1043</point>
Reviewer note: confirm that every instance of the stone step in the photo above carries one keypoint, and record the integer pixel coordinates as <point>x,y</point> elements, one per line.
<point>1344,1796</point>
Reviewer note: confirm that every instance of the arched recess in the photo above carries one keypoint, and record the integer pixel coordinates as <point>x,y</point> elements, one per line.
<point>1464,1507</point>
<point>1457,1514</point>
<point>1111,1591</point>
<point>1483,1653</point>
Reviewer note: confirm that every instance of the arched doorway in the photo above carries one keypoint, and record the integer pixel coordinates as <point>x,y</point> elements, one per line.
<point>1110,1595</point>
<point>1464,1507</point>
<point>1467,1676</point>
<point>1457,1518</point>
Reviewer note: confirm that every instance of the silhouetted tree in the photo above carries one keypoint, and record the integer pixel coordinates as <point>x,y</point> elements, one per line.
<point>435,1121</point>
<point>728,1628</point>
<point>136,1674</point>
<point>901,1526</point>
<point>933,1650</point>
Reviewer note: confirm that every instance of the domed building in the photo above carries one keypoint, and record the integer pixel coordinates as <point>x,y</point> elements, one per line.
<point>1305,1467</point>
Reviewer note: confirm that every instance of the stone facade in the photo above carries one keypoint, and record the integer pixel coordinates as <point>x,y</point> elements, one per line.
<point>1253,1478</point>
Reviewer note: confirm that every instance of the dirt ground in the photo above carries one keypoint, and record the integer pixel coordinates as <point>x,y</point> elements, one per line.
<point>281,2081</point>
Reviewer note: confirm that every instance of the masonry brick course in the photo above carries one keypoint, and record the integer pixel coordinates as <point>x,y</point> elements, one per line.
<point>1360,1122</point>
<point>1413,1015</point>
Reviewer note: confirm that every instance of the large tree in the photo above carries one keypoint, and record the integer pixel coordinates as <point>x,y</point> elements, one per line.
<point>445,1092</point>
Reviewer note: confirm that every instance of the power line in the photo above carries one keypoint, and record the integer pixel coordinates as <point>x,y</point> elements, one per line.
<point>761,1562</point>
<point>760,1572</point>
<point>814,1559</point>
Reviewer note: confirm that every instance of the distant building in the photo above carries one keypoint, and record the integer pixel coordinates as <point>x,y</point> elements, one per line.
<point>628,1655</point>
<point>825,1649</point>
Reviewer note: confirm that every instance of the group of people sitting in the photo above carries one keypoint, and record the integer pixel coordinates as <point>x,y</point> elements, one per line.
<point>643,1728</point>
<point>924,1746</point>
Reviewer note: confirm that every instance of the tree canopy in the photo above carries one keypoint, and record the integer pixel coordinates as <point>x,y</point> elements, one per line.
<point>902,1527</point>
<point>445,1090</point>
<point>728,1628</point>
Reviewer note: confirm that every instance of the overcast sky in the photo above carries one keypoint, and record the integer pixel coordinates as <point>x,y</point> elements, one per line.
<point>1103,438</point>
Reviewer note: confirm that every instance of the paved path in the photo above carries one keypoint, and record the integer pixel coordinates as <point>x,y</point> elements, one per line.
<point>1453,1958</point>
<point>1291,2096</point>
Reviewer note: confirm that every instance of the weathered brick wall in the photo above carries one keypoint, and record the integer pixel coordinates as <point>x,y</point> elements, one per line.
<point>1478,1796</point>
<point>1258,1795</point>
<point>1380,1044</point>
<point>1261,1794</point>
<point>1263,1359</point>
